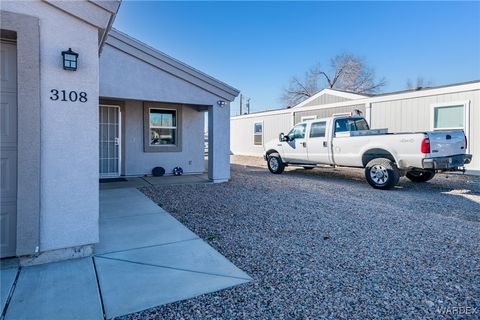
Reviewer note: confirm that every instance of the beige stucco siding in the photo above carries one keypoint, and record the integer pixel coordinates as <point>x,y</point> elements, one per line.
<point>69,159</point>
<point>138,162</point>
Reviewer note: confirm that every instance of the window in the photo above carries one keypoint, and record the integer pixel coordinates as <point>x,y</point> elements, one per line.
<point>297,132</point>
<point>163,127</point>
<point>318,129</point>
<point>448,117</point>
<point>350,124</point>
<point>305,118</point>
<point>258,133</point>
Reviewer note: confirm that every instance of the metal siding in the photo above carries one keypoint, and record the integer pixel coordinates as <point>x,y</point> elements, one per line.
<point>327,112</point>
<point>410,115</point>
<point>242,138</point>
<point>325,99</point>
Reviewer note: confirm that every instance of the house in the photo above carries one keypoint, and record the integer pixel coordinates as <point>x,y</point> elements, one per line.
<point>82,100</point>
<point>455,106</point>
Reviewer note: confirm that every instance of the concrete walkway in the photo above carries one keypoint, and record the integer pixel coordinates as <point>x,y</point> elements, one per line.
<point>145,258</point>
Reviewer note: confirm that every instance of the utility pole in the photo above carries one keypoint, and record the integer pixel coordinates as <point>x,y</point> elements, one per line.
<point>241,111</point>
<point>248,105</point>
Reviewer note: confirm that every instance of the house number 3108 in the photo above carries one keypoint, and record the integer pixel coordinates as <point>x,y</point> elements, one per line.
<point>71,96</point>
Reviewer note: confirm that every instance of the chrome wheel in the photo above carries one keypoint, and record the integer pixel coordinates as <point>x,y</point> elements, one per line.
<point>379,174</point>
<point>273,161</point>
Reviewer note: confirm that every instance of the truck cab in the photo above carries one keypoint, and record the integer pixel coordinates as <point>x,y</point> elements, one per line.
<point>347,140</point>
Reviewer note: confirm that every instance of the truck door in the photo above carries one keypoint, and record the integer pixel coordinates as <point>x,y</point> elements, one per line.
<point>295,149</point>
<point>318,147</point>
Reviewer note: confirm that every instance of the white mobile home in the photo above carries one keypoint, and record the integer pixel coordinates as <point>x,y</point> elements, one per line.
<point>80,100</point>
<point>455,106</point>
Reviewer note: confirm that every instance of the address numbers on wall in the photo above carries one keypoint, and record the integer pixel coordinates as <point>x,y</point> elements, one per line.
<point>72,96</point>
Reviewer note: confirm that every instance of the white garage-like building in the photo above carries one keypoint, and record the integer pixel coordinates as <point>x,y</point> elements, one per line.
<point>455,106</point>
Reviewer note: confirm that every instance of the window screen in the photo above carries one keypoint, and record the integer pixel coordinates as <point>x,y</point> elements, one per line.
<point>318,129</point>
<point>448,117</point>
<point>163,127</point>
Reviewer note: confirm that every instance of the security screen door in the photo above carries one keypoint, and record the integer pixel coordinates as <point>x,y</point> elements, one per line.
<point>109,141</point>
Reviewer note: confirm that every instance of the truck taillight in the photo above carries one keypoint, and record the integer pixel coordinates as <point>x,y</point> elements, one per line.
<point>425,148</point>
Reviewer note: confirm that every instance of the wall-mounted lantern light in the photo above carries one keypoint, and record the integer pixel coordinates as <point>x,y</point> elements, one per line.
<point>221,103</point>
<point>70,60</point>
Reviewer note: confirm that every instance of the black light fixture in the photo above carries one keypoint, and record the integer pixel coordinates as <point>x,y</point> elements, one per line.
<point>70,60</point>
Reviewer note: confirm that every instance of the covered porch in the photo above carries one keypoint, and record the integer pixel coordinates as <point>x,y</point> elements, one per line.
<point>154,112</point>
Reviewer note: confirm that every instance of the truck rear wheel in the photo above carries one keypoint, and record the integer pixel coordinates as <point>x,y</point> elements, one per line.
<point>382,173</point>
<point>420,175</point>
<point>275,164</point>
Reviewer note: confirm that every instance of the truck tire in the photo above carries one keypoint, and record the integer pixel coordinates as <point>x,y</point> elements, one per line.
<point>420,175</point>
<point>382,173</point>
<point>275,164</point>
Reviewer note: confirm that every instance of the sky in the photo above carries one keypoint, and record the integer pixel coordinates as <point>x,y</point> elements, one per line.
<point>257,47</point>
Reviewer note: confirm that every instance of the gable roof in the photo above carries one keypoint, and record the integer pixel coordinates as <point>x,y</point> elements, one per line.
<point>156,58</point>
<point>343,95</point>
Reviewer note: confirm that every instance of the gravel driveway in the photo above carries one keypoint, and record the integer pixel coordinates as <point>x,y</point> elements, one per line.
<point>324,244</point>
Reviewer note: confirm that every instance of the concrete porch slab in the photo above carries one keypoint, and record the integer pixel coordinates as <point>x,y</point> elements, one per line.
<point>132,182</point>
<point>131,287</point>
<point>7,277</point>
<point>172,180</point>
<point>62,290</point>
<point>194,255</point>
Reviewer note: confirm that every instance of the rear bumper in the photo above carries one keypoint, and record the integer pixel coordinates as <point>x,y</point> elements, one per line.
<point>447,163</point>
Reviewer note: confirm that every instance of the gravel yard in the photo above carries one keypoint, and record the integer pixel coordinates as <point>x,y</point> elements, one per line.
<point>324,244</point>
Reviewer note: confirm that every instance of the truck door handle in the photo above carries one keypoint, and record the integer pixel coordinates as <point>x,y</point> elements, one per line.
<point>325,144</point>
<point>304,144</point>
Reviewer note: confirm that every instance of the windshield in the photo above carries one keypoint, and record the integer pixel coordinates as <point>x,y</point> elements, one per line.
<point>297,132</point>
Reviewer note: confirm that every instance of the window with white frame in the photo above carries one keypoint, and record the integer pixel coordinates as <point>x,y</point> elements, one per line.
<point>447,117</point>
<point>162,127</point>
<point>258,133</point>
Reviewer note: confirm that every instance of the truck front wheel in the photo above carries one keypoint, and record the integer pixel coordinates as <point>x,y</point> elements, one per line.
<point>420,175</point>
<point>275,164</point>
<point>382,173</point>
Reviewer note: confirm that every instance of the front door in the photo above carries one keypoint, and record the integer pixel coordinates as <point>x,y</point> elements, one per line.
<point>109,145</point>
<point>8,149</point>
<point>295,149</point>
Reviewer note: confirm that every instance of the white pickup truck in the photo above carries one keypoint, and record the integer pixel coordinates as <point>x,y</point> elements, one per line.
<point>347,141</point>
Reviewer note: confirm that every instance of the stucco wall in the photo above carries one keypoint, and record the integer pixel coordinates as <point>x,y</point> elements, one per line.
<point>138,162</point>
<point>69,130</point>
<point>139,81</point>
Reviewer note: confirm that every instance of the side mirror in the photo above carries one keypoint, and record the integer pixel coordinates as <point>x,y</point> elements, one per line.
<point>282,137</point>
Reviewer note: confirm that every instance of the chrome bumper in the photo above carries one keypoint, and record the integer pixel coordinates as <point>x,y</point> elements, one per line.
<point>447,163</point>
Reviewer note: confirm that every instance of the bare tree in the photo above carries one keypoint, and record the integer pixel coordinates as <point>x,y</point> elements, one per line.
<point>420,83</point>
<point>346,72</point>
